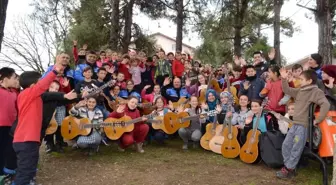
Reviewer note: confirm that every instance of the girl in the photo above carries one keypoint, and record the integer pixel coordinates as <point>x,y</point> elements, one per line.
<point>159,135</point>
<point>87,109</point>
<point>198,87</point>
<point>152,96</point>
<point>265,123</point>
<point>273,90</point>
<point>193,132</point>
<point>226,99</point>
<point>130,91</point>
<point>210,104</point>
<point>136,71</point>
<point>139,133</point>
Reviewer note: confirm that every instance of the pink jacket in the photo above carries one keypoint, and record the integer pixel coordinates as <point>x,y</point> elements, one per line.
<point>149,97</point>
<point>8,110</point>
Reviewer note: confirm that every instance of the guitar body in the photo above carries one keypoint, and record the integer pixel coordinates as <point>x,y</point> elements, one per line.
<point>183,124</point>
<point>160,125</point>
<point>202,98</point>
<point>216,141</point>
<point>230,147</point>
<point>181,101</point>
<point>209,134</point>
<point>71,127</point>
<point>115,132</point>
<point>147,108</point>
<point>249,152</point>
<point>52,127</point>
<point>170,120</point>
<point>215,86</point>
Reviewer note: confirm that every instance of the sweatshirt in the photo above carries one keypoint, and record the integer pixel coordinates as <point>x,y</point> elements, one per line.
<point>8,111</point>
<point>304,96</point>
<point>30,111</point>
<point>178,68</point>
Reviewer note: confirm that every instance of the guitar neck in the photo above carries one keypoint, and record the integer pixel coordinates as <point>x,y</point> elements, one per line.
<point>281,117</point>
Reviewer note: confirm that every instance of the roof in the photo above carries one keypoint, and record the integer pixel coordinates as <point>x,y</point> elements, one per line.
<point>170,38</point>
<point>300,61</point>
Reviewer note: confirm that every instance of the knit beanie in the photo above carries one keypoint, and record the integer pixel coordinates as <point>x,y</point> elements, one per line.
<point>330,70</point>
<point>317,57</point>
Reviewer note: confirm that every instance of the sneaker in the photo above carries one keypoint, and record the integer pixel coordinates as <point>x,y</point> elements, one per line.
<point>121,149</point>
<point>185,146</point>
<point>138,147</point>
<point>285,173</point>
<point>49,148</point>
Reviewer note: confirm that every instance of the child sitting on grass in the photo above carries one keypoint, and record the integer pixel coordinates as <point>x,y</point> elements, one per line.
<point>296,137</point>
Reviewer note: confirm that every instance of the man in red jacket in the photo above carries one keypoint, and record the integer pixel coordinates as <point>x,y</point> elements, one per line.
<point>27,134</point>
<point>178,66</point>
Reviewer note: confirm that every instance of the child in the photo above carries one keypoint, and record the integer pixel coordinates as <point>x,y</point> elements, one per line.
<point>28,131</point>
<point>124,66</point>
<point>136,71</point>
<point>296,71</point>
<point>152,96</point>
<point>121,81</point>
<point>252,85</point>
<point>178,66</point>
<point>226,99</point>
<point>159,135</point>
<point>100,99</point>
<point>88,84</point>
<point>295,140</point>
<point>87,109</point>
<point>193,132</point>
<point>8,111</point>
<point>130,91</point>
<point>139,133</point>
<point>284,124</point>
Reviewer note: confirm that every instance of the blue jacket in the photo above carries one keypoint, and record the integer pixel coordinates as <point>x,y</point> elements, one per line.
<point>172,94</point>
<point>79,72</point>
<point>68,72</point>
<point>253,91</point>
<point>125,94</point>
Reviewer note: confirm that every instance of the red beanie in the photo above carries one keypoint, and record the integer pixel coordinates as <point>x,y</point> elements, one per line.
<point>330,70</point>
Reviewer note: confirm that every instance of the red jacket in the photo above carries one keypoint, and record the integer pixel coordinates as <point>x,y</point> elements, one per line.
<point>177,68</point>
<point>30,111</point>
<point>123,69</point>
<point>8,110</point>
<point>133,114</point>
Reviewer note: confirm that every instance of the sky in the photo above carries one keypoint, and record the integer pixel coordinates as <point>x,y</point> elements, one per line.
<point>300,45</point>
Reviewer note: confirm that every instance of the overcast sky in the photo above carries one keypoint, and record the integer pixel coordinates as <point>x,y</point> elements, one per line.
<point>300,45</point>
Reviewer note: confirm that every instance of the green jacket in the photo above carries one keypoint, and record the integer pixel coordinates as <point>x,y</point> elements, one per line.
<point>163,68</point>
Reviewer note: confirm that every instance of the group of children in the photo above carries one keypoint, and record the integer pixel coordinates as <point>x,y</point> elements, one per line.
<point>160,80</point>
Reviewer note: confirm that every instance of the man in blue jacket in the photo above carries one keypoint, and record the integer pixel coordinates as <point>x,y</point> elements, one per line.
<point>252,85</point>
<point>90,61</point>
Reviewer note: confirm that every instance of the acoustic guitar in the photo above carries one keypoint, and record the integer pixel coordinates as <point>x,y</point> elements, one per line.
<point>146,107</point>
<point>173,121</point>
<point>52,127</point>
<point>158,124</point>
<point>211,131</point>
<point>182,101</point>
<point>71,127</point>
<point>230,147</point>
<point>114,128</point>
<point>231,89</point>
<point>216,142</point>
<point>249,152</point>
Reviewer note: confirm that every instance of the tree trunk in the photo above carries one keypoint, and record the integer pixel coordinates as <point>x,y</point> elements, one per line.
<point>3,10</point>
<point>277,9</point>
<point>128,16</point>
<point>179,25</point>
<point>325,30</point>
<point>114,30</point>
<point>239,25</point>
<point>237,41</point>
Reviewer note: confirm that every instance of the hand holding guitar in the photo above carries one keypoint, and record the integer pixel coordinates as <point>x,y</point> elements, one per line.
<point>180,108</point>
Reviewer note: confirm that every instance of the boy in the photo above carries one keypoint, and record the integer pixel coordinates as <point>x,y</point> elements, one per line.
<point>252,85</point>
<point>100,99</point>
<point>123,67</point>
<point>121,81</point>
<point>178,66</point>
<point>296,71</point>
<point>28,131</point>
<point>8,111</point>
<point>296,137</point>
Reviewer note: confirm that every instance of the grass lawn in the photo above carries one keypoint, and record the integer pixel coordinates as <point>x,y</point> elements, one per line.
<point>161,165</point>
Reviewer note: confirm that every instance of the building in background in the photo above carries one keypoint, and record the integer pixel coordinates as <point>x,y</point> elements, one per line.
<point>168,44</point>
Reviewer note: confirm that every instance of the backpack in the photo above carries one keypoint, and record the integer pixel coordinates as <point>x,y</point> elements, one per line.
<point>270,148</point>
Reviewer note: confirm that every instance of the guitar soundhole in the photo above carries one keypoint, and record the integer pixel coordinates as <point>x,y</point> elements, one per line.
<point>248,152</point>
<point>171,123</point>
<point>70,127</point>
<point>230,148</point>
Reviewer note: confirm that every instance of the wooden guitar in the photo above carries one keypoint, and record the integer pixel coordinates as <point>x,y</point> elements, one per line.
<point>230,147</point>
<point>182,101</point>
<point>173,121</point>
<point>71,127</point>
<point>231,89</point>
<point>216,142</point>
<point>114,128</point>
<point>249,152</point>
<point>211,131</point>
<point>158,124</point>
<point>52,127</point>
<point>146,107</point>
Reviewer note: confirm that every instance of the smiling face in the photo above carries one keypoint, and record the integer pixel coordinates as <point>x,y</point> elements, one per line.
<point>177,83</point>
<point>87,74</point>
<point>255,107</point>
<point>157,89</point>
<point>201,79</point>
<point>130,85</point>
<point>132,103</point>
<point>243,101</point>
<point>297,73</point>
<point>54,87</point>
<point>120,77</point>
<point>211,97</point>
<point>290,109</point>
<point>250,72</point>
<point>257,58</point>
<point>193,102</point>
<point>101,74</point>
<point>116,90</point>
<point>91,58</point>
<point>91,103</point>
<point>224,99</point>
<point>159,103</point>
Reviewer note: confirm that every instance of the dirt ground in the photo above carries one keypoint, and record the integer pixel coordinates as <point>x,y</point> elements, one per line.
<point>159,165</point>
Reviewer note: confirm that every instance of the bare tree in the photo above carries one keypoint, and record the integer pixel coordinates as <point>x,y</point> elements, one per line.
<point>277,9</point>
<point>3,11</point>
<point>30,46</point>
